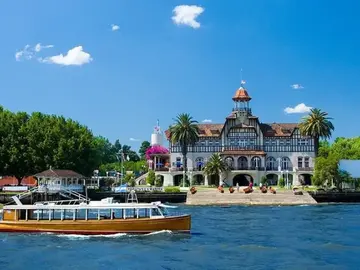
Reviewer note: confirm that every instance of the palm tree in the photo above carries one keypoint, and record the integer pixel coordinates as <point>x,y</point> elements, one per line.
<point>215,166</point>
<point>184,132</point>
<point>317,125</point>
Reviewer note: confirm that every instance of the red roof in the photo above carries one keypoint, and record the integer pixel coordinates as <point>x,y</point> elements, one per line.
<point>241,95</point>
<point>12,181</point>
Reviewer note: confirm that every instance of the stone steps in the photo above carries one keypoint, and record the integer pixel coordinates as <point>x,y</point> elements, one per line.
<point>213,197</point>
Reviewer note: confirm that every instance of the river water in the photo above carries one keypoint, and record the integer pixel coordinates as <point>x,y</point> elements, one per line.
<point>236,237</point>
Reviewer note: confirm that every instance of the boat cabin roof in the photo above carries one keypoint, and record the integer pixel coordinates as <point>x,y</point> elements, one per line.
<point>82,206</point>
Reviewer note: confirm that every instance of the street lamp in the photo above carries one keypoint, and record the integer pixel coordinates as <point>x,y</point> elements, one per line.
<point>120,156</point>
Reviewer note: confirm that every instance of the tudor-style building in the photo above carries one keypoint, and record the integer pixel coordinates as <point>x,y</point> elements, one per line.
<point>251,148</point>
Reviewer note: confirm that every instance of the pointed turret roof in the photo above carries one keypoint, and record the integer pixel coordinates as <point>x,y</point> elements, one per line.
<point>241,95</point>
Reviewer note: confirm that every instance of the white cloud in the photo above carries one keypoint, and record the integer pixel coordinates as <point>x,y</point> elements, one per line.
<point>207,121</point>
<point>38,47</point>
<point>25,53</point>
<point>134,140</point>
<point>185,14</point>
<point>114,27</point>
<point>29,52</point>
<point>74,57</point>
<point>300,108</point>
<point>297,86</point>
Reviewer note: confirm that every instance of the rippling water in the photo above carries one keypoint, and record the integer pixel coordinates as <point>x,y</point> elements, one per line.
<point>236,237</point>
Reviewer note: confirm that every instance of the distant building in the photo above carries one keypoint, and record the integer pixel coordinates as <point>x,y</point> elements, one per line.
<point>56,180</point>
<point>251,148</point>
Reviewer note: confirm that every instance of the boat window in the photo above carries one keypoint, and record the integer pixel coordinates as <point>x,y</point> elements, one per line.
<point>156,212</point>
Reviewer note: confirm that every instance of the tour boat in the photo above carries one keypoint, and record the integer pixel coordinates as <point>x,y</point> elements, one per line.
<point>105,217</point>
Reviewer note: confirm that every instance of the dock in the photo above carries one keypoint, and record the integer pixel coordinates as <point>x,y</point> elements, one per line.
<point>282,197</point>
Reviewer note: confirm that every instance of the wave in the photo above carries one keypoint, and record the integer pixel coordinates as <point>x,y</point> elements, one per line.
<point>112,236</point>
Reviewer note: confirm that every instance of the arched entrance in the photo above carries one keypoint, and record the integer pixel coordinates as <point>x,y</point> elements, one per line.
<point>214,180</point>
<point>272,179</point>
<point>242,179</point>
<point>305,179</point>
<point>198,179</point>
<point>159,180</point>
<point>178,179</point>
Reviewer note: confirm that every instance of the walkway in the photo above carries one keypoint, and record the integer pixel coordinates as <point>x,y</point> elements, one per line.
<point>214,197</point>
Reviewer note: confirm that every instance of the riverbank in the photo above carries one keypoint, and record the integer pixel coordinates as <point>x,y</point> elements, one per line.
<point>282,197</point>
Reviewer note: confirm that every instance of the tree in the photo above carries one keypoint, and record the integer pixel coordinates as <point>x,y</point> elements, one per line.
<point>184,132</point>
<point>150,179</point>
<point>144,146</point>
<point>215,165</point>
<point>317,125</point>
<point>130,179</point>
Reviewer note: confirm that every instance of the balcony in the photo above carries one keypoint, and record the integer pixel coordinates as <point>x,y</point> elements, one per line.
<point>162,169</point>
<point>251,168</point>
<point>275,169</point>
<point>175,169</point>
<point>305,169</point>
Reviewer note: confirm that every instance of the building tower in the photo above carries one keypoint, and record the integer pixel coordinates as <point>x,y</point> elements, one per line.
<point>156,136</point>
<point>241,100</point>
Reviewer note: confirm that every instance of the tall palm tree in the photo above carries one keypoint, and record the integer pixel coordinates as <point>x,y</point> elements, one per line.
<point>317,125</point>
<point>184,132</point>
<point>215,165</point>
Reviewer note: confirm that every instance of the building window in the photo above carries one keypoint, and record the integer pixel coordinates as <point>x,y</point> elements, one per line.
<point>271,164</point>
<point>242,143</point>
<point>300,162</point>
<point>255,162</point>
<point>230,162</point>
<point>243,163</point>
<point>307,162</point>
<point>178,162</point>
<point>199,163</point>
<point>285,163</point>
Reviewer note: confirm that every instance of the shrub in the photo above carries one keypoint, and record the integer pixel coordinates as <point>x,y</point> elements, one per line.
<point>150,179</point>
<point>187,183</point>
<point>158,181</point>
<point>281,182</point>
<point>263,180</point>
<point>172,189</point>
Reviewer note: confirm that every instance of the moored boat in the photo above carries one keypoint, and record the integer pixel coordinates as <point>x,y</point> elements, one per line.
<point>96,218</point>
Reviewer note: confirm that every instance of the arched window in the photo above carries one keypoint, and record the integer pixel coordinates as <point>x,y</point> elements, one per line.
<point>243,163</point>
<point>285,163</point>
<point>230,162</point>
<point>271,164</point>
<point>199,163</point>
<point>255,162</point>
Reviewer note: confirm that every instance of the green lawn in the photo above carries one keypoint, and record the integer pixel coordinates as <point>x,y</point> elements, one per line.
<point>1,206</point>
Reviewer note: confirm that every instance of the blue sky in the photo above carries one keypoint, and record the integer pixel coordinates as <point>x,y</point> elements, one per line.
<point>154,67</point>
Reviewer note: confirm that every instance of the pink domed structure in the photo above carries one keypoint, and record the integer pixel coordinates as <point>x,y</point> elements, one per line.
<point>158,157</point>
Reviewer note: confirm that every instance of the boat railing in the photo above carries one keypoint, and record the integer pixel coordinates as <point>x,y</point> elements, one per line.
<point>73,195</point>
<point>60,202</point>
<point>132,197</point>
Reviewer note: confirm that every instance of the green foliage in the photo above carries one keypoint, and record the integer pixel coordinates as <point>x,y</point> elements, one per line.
<point>187,182</point>
<point>184,132</point>
<point>144,146</point>
<point>317,125</point>
<point>107,182</point>
<point>130,179</point>
<point>33,143</point>
<point>150,179</point>
<point>263,180</point>
<point>281,182</point>
<point>158,181</point>
<point>326,164</point>
<point>215,166</point>
<point>172,189</point>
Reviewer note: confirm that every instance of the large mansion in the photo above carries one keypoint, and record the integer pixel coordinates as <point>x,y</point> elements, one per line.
<point>252,150</point>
